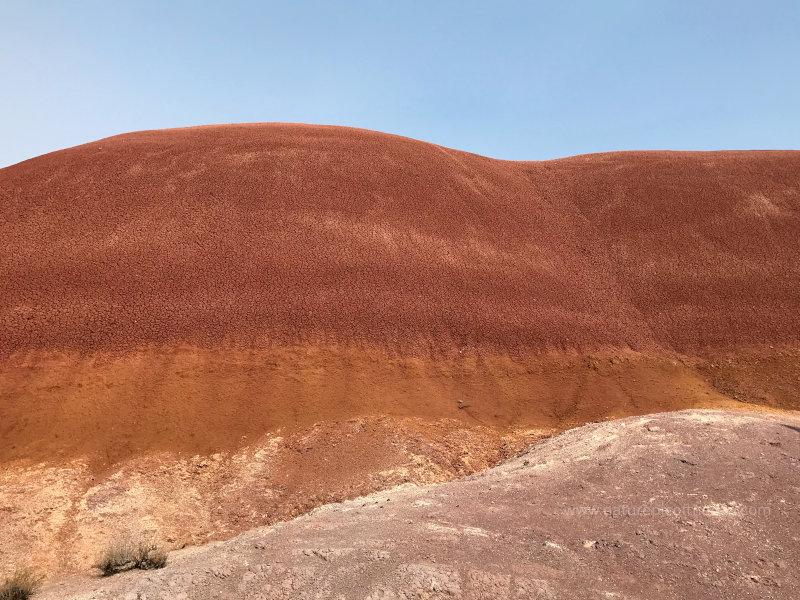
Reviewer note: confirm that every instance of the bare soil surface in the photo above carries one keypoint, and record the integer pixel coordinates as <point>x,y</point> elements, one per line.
<point>264,234</point>
<point>692,504</point>
<point>58,517</point>
<point>184,289</point>
<point>120,452</point>
<point>211,329</point>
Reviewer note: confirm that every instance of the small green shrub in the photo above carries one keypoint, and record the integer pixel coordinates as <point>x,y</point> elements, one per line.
<point>125,554</point>
<point>20,586</point>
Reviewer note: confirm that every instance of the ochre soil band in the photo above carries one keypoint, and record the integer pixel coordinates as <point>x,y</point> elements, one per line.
<point>108,407</point>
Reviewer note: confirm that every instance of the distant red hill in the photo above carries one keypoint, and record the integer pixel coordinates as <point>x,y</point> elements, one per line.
<point>255,235</point>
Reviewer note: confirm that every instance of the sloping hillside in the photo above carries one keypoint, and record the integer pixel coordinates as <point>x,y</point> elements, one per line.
<point>694,504</point>
<point>256,235</point>
<point>332,311</point>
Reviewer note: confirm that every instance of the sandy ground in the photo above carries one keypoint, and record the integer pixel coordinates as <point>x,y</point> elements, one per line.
<point>693,504</point>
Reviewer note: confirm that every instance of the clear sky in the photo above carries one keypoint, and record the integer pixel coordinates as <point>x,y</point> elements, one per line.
<point>516,80</point>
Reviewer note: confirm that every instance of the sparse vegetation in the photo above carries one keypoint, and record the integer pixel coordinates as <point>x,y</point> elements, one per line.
<point>125,554</point>
<point>20,586</point>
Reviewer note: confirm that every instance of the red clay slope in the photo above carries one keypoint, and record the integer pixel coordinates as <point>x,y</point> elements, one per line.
<point>256,235</point>
<point>191,290</point>
<point>328,312</point>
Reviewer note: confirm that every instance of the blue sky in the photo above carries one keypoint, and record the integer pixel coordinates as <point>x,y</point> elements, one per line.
<point>514,80</point>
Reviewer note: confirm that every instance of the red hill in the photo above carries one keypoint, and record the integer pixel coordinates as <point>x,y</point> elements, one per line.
<point>255,235</point>
<point>324,312</point>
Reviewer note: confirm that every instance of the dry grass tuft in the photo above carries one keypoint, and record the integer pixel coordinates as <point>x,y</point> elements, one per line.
<point>20,586</point>
<point>125,554</point>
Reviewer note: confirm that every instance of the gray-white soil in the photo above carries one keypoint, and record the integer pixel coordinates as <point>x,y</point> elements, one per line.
<point>691,504</point>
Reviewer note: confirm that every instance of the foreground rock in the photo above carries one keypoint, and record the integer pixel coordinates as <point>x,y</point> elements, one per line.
<point>692,504</point>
